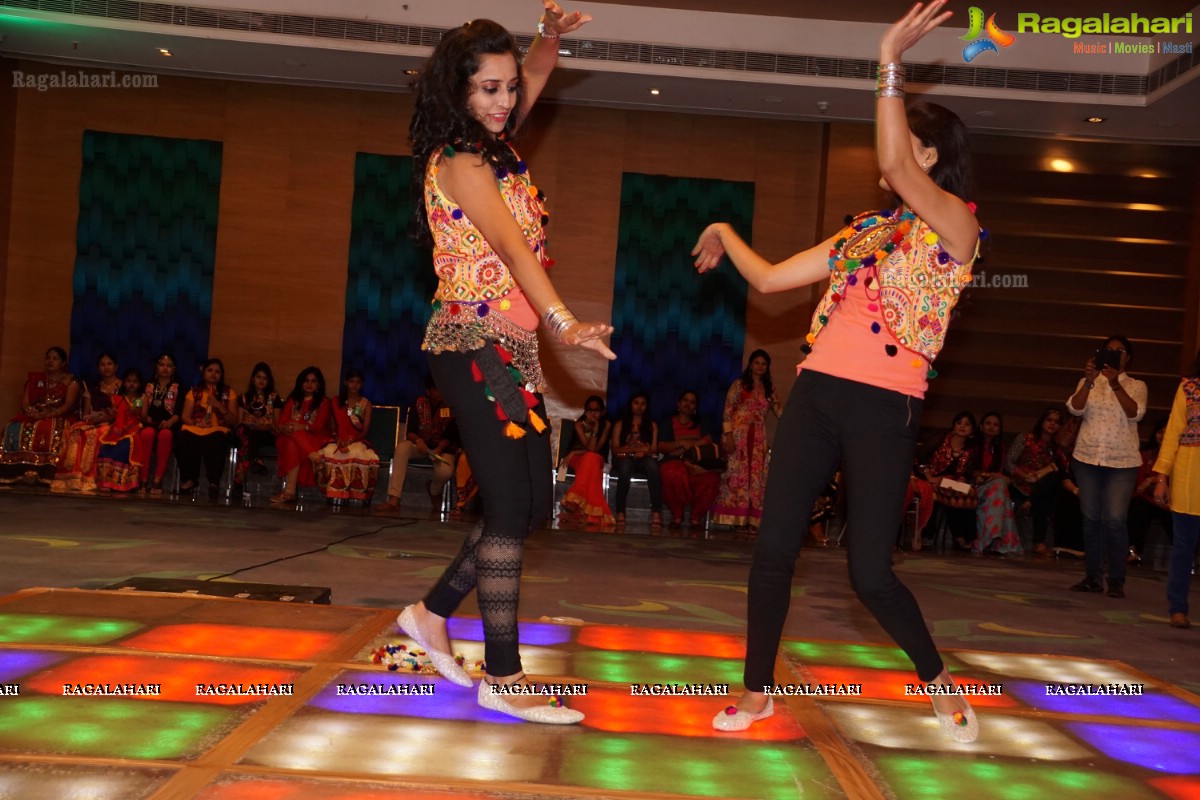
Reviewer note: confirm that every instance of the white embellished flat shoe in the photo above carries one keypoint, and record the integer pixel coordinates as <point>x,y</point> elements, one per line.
<point>553,713</point>
<point>444,663</point>
<point>960,726</point>
<point>731,719</point>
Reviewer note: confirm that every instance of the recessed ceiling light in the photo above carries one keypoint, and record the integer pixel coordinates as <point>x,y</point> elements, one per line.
<point>165,52</point>
<point>1061,165</point>
<point>1094,119</point>
<point>655,92</point>
<point>412,72</point>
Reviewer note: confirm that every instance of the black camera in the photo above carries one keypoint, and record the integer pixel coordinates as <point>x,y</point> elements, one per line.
<point>1107,358</point>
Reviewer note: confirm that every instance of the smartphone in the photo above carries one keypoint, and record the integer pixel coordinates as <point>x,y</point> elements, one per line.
<point>1107,358</point>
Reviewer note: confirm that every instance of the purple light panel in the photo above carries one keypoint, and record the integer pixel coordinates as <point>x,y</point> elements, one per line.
<point>1152,705</point>
<point>447,702</point>
<point>539,633</point>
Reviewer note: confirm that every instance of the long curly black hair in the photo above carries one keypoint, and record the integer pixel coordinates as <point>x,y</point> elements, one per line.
<point>441,117</point>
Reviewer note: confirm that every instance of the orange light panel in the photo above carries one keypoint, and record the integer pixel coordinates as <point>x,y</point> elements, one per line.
<point>179,678</point>
<point>617,711</point>
<point>233,641</point>
<point>1178,787</point>
<point>309,790</point>
<point>642,640</point>
<point>884,684</point>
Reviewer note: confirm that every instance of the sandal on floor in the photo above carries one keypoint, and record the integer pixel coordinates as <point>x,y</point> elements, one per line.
<point>554,713</point>
<point>733,719</point>
<point>444,663</point>
<point>656,522</point>
<point>960,726</point>
<point>283,497</point>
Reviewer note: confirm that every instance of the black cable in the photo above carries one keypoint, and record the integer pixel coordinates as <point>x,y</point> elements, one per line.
<point>401,524</point>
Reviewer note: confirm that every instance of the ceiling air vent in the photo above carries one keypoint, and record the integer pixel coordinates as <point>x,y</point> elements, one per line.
<point>668,56</point>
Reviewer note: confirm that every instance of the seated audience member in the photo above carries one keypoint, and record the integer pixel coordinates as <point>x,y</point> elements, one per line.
<point>34,438</point>
<point>951,461</point>
<point>635,449</point>
<point>121,460</point>
<point>993,513</point>
<point>425,438</point>
<point>76,469</point>
<point>302,433</point>
<point>258,414</point>
<point>692,465</point>
<point>161,414</point>
<point>209,413</point>
<point>1143,511</point>
<point>350,467</point>
<point>1036,466</point>
<point>585,500</point>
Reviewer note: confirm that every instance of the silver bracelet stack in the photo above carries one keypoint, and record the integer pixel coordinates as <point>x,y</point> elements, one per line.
<point>890,80</point>
<point>559,319</point>
<point>545,31</point>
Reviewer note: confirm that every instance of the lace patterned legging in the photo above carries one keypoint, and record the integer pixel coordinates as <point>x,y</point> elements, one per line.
<point>515,484</point>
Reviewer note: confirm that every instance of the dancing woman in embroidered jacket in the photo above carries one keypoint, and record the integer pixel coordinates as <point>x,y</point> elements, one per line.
<point>485,219</point>
<point>894,277</point>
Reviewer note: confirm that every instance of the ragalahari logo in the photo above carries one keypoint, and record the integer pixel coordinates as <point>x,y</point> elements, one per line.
<point>992,37</point>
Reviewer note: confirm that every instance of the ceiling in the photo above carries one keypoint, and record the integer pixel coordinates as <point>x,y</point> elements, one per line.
<point>1171,115</point>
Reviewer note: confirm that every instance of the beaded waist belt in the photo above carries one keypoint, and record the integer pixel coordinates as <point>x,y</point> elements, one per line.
<point>457,327</point>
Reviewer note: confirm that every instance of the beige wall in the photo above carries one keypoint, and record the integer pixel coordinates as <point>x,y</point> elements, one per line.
<point>286,193</point>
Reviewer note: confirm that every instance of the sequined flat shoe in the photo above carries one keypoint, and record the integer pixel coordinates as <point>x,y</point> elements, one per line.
<point>961,726</point>
<point>553,713</point>
<point>731,719</point>
<point>444,663</point>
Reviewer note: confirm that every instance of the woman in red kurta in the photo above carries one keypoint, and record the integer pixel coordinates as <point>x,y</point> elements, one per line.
<point>302,432</point>
<point>122,455</point>
<point>34,437</point>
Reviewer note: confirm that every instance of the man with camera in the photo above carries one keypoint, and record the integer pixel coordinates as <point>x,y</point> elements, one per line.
<point>1106,461</point>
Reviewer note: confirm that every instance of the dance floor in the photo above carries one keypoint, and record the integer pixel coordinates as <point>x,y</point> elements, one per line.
<point>303,725</point>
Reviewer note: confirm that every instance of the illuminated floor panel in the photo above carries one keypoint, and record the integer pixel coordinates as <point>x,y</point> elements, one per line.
<point>241,788</point>
<point>71,782</point>
<point>233,641</point>
<point>932,777</point>
<point>47,629</point>
<point>110,727</point>
<point>696,767</point>
<point>918,729</point>
<point>326,744</point>
<point>321,741</point>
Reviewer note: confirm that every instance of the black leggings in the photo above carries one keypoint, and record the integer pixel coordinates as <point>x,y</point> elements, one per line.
<point>872,433</point>
<point>515,483</point>
<point>212,449</point>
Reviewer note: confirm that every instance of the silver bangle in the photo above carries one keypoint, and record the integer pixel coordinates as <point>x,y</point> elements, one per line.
<point>890,91</point>
<point>545,31</point>
<point>559,319</point>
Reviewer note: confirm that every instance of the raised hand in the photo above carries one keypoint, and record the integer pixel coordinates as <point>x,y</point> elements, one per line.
<point>560,22</point>
<point>905,33</point>
<point>708,250</point>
